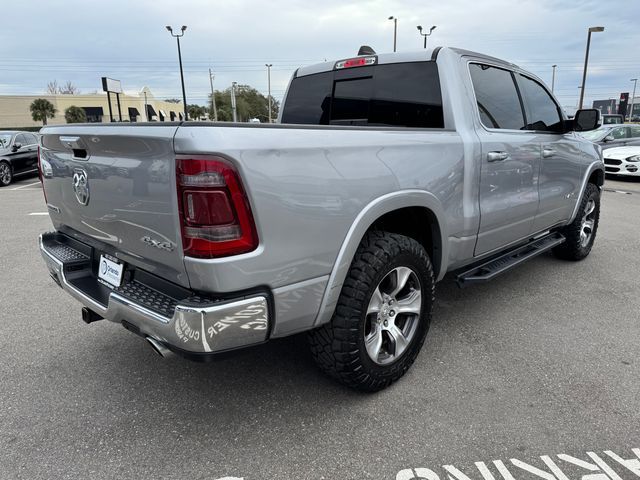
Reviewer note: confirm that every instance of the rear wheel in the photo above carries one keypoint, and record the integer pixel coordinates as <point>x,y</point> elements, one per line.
<point>5,174</point>
<point>581,233</point>
<point>382,316</point>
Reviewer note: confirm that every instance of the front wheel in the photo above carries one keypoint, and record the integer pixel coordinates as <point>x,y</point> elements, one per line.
<point>581,233</point>
<point>382,315</point>
<point>5,174</point>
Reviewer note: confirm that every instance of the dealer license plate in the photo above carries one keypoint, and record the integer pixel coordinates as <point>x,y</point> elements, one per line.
<point>110,271</point>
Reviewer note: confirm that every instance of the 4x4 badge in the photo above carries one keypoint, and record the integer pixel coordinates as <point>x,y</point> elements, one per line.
<point>81,186</point>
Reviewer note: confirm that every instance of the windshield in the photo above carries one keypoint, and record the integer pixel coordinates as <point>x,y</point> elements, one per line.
<point>595,135</point>
<point>5,140</point>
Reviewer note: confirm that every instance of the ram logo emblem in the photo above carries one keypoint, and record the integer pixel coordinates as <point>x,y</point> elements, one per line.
<point>81,186</point>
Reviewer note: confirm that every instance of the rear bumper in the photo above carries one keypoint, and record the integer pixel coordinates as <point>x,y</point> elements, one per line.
<point>183,322</point>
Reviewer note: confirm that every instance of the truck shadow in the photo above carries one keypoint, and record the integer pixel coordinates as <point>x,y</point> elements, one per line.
<point>276,384</point>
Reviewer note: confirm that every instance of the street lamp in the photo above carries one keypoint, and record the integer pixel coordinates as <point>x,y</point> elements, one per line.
<point>395,30</point>
<point>269,65</point>
<point>635,82</point>
<point>586,61</point>
<point>553,77</point>
<point>425,35</point>
<point>177,37</point>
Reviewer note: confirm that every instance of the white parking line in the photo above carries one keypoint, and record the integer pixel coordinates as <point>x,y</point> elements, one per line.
<point>25,186</point>
<point>39,213</point>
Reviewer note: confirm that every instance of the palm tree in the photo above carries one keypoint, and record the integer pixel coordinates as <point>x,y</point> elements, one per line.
<point>75,114</point>
<point>41,109</point>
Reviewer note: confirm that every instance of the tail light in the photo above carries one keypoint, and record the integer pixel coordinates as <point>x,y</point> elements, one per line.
<point>40,175</point>
<point>215,214</point>
<point>39,166</point>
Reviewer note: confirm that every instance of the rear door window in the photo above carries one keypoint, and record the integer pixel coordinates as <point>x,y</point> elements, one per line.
<point>497,97</point>
<point>398,95</point>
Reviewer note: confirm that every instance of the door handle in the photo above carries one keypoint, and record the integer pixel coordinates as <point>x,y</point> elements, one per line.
<point>497,156</point>
<point>548,152</point>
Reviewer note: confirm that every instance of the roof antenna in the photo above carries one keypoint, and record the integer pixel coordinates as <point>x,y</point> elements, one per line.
<point>366,50</point>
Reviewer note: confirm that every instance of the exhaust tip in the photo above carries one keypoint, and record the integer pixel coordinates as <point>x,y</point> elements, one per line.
<point>158,347</point>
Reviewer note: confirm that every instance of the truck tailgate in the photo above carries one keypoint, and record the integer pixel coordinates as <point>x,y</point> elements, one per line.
<point>115,186</point>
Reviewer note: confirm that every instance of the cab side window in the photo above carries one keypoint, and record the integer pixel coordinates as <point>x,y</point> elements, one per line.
<point>541,110</point>
<point>619,133</point>
<point>20,138</point>
<point>498,102</point>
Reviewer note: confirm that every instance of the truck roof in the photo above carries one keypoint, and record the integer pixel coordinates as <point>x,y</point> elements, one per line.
<point>403,57</point>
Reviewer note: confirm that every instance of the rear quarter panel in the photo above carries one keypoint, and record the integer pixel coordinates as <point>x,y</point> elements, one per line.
<point>307,186</point>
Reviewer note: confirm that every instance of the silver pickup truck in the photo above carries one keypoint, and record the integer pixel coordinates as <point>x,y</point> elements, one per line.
<point>384,173</point>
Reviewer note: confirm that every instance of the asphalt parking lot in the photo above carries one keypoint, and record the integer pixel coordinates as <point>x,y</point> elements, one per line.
<point>541,365</point>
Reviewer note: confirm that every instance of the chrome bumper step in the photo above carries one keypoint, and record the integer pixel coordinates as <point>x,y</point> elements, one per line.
<point>172,315</point>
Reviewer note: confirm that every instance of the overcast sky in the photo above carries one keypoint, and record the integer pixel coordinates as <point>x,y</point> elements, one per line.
<point>82,40</point>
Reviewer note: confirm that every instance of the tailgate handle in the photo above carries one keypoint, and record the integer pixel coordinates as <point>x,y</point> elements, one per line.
<point>76,144</point>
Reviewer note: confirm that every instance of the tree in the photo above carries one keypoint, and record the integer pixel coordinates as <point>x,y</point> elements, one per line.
<point>75,114</point>
<point>41,109</point>
<point>52,87</point>
<point>196,111</point>
<point>250,103</point>
<point>68,89</point>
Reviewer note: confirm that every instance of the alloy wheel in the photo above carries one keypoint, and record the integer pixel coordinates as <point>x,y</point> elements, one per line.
<point>588,222</point>
<point>392,315</point>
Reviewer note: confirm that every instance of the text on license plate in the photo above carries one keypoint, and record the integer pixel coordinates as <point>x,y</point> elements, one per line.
<point>110,271</point>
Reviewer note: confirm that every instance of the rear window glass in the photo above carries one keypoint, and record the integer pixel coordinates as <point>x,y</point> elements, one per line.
<point>497,97</point>
<point>398,95</point>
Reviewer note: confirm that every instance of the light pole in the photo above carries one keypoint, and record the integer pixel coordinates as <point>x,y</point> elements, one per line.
<point>146,109</point>
<point>586,61</point>
<point>579,96</point>
<point>633,96</point>
<point>269,65</point>
<point>233,101</point>
<point>177,37</point>
<point>395,31</point>
<point>425,35</point>
<point>553,77</point>
<point>213,97</point>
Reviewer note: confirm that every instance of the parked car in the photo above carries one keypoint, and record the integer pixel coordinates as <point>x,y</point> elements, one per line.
<point>385,173</point>
<point>612,119</point>
<point>18,155</point>
<point>609,136</point>
<point>623,161</point>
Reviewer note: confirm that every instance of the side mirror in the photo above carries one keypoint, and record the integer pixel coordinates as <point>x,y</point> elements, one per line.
<point>609,138</point>
<point>587,119</point>
<point>16,147</point>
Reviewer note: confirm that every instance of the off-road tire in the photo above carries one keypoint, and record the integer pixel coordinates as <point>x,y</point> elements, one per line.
<point>572,248</point>
<point>338,347</point>
<point>4,181</point>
